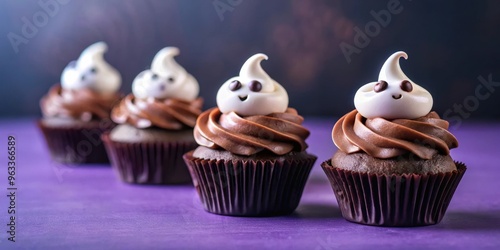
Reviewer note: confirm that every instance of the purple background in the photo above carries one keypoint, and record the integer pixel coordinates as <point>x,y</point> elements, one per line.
<point>63,207</point>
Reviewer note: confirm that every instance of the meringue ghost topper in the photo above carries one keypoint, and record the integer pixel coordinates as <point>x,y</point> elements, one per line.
<point>91,71</point>
<point>253,92</point>
<point>165,79</point>
<point>394,96</point>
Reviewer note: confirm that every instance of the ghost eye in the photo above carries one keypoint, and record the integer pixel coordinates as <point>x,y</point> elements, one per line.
<point>234,85</point>
<point>171,79</point>
<point>93,70</point>
<point>406,86</point>
<point>154,76</point>
<point>255,86</point>
<point>380,86</point>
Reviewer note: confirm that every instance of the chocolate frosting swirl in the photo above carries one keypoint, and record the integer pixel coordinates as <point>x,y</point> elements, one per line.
<point>424,136</point>
<point>279,133</point>
<point>167,113</point>
<point>84,104</point>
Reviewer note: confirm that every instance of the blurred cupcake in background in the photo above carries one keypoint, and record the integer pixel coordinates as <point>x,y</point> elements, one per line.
<point>155,124</point>
<point>77,111</point>
<point>252,158</point>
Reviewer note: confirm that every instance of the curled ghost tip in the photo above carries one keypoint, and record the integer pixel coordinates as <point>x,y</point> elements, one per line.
<point>252,67</point>
<point>164,60</point>
<point>391,70</point>
<point>253,71</point>
<point>165,53</point>
<point>94,52</point>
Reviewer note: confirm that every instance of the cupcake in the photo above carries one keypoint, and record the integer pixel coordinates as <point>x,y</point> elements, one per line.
<point>77,111</point>
<point>251,160</point>
<point>155,124</point>
<point>393,166</point>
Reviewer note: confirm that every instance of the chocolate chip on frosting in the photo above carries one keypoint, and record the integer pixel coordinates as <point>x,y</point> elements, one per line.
<point>406,86</point>
<point>255,86</point>
<point>380,86</point>
<point>235,85</point>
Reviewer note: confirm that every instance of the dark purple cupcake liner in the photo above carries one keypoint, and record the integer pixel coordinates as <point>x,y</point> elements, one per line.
<point>76,145</point>
<point>393,200</point>
<point>249,188</point>
<point>149,162</point>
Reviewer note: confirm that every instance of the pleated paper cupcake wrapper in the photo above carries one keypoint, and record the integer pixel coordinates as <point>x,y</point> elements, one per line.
<point>249,188</point>
<point>79,145</point>
<point>149,162</point>
<point>393,200</point>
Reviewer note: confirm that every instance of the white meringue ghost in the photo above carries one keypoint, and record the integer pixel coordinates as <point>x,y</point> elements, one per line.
<point>91,71</point>
<point>253,92</point>
<point>166,79</point>
<point>394,95</point>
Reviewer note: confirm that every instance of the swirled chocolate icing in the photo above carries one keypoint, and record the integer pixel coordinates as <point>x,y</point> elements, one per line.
<point>77,104</point>
<point>381,138</point>
<point>279,133</point>
<point>168,113</point>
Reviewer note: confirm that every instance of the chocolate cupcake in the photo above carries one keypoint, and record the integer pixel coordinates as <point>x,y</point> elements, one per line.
<point>77,112</point>
<point>155,124</point>
<point>393,166</point>
<point>251,160</point>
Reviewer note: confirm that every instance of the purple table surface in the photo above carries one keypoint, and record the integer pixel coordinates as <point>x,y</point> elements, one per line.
<point>87,207</point>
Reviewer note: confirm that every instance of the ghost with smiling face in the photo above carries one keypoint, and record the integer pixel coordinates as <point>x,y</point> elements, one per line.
<point>91,71</point>
<point>165,79</point>
<point>253,92</point>
<point>394,96</point>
